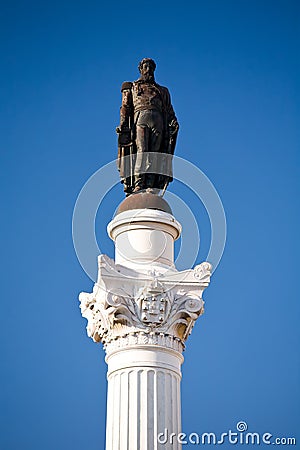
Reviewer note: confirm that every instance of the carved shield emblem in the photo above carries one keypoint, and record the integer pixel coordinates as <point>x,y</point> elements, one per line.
<point>153,308</point>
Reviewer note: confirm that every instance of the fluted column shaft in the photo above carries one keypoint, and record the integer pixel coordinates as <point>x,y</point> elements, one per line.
<point>143,398</point>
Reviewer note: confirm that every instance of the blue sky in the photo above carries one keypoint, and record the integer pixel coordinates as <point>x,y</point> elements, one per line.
<point>233,72</point>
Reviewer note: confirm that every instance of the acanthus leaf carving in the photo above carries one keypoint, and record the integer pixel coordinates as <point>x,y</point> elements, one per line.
<point>122,305</point>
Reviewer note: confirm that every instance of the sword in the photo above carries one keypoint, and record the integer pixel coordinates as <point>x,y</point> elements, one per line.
<point>164,189</point>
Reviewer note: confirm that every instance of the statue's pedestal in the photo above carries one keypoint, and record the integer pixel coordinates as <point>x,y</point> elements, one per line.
<point>142,309</point>
<point>144,239</point>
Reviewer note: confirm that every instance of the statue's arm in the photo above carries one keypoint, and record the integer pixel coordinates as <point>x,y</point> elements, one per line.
<point>171,116</point>
<point>126,110</point>
<point>124,130</point>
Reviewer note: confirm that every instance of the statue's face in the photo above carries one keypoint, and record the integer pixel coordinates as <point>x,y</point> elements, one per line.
<point>147,71</point>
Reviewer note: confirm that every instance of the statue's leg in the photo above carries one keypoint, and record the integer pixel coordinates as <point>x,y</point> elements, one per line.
<point>150,180</point>
<point>142,144</point>
<point>156,141</point>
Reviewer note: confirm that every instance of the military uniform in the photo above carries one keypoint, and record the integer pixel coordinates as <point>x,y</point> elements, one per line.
<point>148,116</point>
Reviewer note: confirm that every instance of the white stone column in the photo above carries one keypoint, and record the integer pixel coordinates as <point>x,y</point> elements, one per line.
<point>142,309</point>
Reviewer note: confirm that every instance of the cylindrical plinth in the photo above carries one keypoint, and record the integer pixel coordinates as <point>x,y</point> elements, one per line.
<point>144,237</point>
<point>143,398</point>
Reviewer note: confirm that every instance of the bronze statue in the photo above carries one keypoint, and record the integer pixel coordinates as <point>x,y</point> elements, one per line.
<point>147,133</point>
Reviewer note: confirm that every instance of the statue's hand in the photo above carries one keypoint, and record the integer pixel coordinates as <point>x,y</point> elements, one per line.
<point>122,128</point>
<point>124,135</point>
<point>173,126</point>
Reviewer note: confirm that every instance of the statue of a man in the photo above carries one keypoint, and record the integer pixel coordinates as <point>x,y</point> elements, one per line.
<point>147,133</point>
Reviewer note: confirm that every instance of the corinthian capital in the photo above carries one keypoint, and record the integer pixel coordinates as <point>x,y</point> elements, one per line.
<point>129,308</point>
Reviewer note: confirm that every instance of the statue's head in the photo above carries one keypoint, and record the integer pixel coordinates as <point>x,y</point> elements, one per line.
<point>147,67</point>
